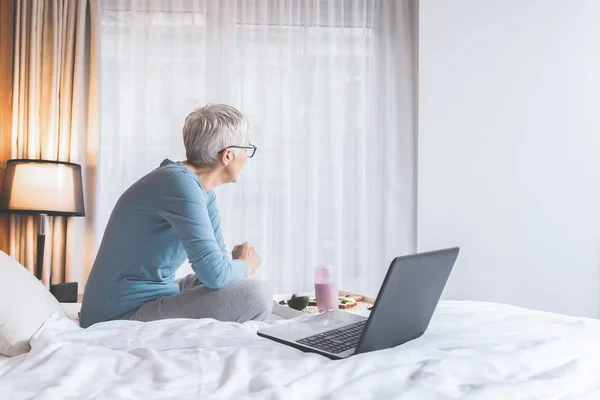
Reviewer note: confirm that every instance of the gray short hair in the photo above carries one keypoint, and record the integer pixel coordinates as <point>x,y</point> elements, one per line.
<point>210,129</point>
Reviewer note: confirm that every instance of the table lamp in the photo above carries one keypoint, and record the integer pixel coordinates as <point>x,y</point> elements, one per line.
<point>41,187</point>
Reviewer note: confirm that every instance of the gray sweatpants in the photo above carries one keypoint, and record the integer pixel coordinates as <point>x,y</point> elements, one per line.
<point>240,301</point>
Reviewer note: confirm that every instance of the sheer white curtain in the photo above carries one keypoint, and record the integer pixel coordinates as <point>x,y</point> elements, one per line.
<point>327,88</point>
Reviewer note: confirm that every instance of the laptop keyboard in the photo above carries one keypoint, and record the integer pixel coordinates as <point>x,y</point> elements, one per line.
<point>337,340</point>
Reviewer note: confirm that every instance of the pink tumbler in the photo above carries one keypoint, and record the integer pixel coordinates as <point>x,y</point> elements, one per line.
<point>326,290</point>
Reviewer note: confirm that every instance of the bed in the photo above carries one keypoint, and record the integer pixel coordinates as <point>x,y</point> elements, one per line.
<point>471,350</point>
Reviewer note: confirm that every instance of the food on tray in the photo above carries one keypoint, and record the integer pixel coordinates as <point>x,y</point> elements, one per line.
<point>347,302</point>
<point>298,302</point>
<point>357,298</point>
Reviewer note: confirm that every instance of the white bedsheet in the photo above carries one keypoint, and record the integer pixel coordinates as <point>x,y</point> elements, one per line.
<point>471,351</point>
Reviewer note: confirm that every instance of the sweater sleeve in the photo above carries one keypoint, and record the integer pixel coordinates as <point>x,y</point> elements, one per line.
<point>215,221</point>
<point>184,207</point>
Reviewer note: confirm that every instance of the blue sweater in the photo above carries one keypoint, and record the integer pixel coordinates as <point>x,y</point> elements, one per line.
<point>158,222</point>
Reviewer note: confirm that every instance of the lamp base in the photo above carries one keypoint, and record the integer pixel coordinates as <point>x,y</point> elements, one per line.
<point>65,292</point>
<point>41,241</point>
<point>39,262</point>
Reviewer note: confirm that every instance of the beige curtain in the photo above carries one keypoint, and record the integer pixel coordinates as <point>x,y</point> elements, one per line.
<point>56,117</point>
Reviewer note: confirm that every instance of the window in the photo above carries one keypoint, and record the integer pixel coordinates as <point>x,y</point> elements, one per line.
<point>308,76</point>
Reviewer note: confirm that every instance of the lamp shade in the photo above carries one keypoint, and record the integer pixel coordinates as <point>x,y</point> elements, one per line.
<point>42,187</point>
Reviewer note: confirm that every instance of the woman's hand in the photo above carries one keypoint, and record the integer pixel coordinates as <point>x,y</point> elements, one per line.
<point>247,253</point>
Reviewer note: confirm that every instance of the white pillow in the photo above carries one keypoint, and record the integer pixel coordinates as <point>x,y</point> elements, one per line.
<point>25,304</point>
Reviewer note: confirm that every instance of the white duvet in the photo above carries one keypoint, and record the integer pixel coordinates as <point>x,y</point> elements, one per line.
<point>470,351</point>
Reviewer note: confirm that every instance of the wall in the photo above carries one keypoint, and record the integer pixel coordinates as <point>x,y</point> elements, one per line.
<point>509,149</point>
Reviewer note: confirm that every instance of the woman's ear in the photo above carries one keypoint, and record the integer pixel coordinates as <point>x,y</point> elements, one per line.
<point>226,156</point>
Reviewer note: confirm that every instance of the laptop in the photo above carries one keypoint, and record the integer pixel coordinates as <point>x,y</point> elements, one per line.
<point>402,311</point>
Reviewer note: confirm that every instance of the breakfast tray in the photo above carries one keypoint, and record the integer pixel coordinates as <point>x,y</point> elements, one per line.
<point>281,308</point>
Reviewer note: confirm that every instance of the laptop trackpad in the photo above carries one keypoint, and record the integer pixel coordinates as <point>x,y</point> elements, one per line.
<point>326,320</point>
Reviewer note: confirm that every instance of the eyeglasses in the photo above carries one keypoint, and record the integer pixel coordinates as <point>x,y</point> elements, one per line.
<point>251,149</point>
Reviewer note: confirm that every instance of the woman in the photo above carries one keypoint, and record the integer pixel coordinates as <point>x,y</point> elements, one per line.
<point>169,215</point>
